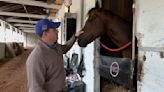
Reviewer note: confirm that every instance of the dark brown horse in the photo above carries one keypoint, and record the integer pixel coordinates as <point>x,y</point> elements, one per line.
<point>102,22</point>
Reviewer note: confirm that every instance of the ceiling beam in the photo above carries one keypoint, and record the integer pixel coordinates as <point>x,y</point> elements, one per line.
<point>59,2</point>
<point>50,1</point>
<point>10,7</point>
<point>34,3</point>
<point>21,21</point>
<point>22,15</point>
<point>29,31</point>
<point>24,25</point>
<point>26,28</point>
<point>2,8</point>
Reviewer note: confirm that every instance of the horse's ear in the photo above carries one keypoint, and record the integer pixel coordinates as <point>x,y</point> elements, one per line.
<point>97,4</point>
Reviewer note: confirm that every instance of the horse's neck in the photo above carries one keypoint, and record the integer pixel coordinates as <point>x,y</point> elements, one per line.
<point>106,18</point>
<point>117,30</point>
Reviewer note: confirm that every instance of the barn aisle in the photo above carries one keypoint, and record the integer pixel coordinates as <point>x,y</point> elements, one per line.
<point>13,74</point>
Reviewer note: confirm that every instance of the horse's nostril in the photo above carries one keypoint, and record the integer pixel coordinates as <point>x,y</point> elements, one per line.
<point>81,43</point>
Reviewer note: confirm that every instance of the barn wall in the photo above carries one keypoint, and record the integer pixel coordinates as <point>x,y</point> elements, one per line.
<point>31,40</point>
<point>2,50</point>
<point>150,34</point>
<point>8,33</point>
<point>2,44</point>
<point>89,54</point>
<point>76,7</point>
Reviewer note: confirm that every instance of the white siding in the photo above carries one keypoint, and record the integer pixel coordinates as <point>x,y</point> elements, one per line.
<point>31,40</point>
<point>2,32</point>
<point>150,20</point>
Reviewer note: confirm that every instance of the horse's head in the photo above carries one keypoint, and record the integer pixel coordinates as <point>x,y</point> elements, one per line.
<point>93,28</point>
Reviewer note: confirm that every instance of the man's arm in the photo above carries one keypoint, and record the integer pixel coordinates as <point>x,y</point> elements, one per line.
<point>35,74</point>
<point>70,42</point>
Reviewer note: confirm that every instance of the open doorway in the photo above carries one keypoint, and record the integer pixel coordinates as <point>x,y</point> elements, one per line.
<point>122,9</point>
<point>117,73</point>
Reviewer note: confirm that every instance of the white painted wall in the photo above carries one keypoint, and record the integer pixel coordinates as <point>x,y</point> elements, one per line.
<point>31,40</point>
<point>150,32</point>
<point>9,35</point>
<point>89,65</point>
<point>75,8</point>
<point>24,40</point>
<point>2,40</point>
<point>89,50</point>
<point>89,53</point>
<point>150,20</point>
<point>153,74</point>
<point>2,31</point>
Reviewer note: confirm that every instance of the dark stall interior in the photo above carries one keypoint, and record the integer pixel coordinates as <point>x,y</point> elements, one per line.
<point>121,83</point>
<point>122,8</point>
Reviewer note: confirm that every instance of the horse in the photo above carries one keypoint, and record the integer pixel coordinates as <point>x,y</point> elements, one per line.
<point>102,22</point>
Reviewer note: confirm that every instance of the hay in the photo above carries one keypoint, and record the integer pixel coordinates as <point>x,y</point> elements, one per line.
<point>114,88</point>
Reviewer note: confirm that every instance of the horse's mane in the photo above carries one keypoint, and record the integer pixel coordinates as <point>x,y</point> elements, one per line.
<point>106,12</point>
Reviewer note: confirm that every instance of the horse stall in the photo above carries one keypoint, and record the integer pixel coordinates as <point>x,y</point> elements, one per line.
<point>118,70</point>
<point>142,71</point>
<point>2,44</point>
<point>126,67</point>
<point>11,42</point>
<point>113,24</point>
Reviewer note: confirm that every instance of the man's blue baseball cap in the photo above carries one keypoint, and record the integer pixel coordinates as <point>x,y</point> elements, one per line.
<point>44,25</point>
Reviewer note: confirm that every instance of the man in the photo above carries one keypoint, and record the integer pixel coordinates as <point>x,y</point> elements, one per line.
<point>45,66</point>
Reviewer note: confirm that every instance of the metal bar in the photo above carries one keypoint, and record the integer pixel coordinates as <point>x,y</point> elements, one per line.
<point>26,28</point>
<point>29,31</point>
<point>134,32</point>
<point>22,15</point>
<point>24,25</point>
<point>33,3</point>
<point>21,21</point>
<point>152,49</point>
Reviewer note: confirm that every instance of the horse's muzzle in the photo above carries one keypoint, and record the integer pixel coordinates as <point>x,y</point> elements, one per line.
<point>82,43</point>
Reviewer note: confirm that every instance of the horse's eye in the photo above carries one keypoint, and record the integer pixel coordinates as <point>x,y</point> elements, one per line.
<point>91,18</point>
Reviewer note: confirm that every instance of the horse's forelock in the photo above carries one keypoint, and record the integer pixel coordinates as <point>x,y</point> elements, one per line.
<point>101,10</point>
<point>93,9</point>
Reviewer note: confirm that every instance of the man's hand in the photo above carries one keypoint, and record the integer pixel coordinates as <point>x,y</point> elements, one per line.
<point>77,34</point>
